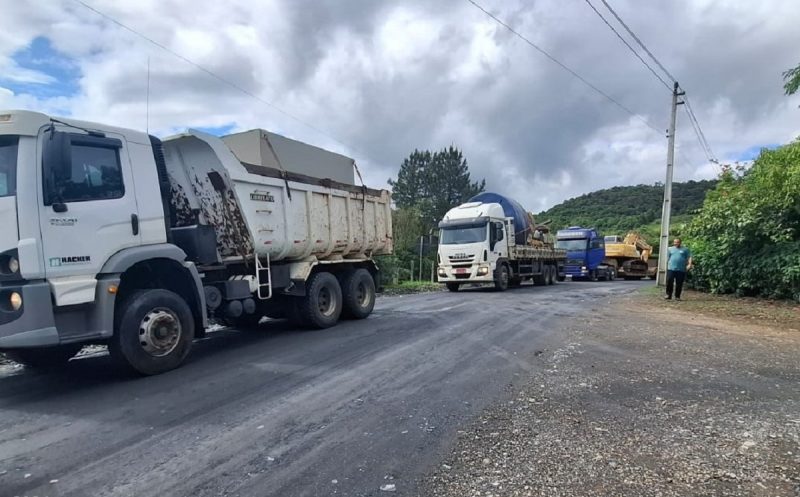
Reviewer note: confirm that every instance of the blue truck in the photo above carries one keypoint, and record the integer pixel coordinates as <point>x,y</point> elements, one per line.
<point>586,251</point>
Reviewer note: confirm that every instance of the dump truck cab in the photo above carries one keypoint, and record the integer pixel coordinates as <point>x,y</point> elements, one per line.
<point>77,211</point>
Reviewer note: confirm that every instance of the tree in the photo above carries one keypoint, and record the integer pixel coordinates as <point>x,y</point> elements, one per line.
<point>746,238</point>
<point>433,183</point>
<point>410,188</point>
<point>792,80</point>
<point>449,184</point>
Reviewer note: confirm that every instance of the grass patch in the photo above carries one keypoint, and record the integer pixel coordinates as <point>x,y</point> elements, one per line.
<point>406,287</point>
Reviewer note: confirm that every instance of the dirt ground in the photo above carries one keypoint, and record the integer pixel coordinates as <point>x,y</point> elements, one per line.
<point>646,398</point>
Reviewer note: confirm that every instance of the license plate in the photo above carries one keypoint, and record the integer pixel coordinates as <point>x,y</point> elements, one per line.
<point>460,270</point>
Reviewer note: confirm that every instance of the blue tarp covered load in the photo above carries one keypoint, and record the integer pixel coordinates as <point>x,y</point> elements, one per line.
<point>511,208</point>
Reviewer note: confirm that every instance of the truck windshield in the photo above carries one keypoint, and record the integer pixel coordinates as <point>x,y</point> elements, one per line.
<point>572,244</point>
<point>463,234</point>
<point>8,165</point>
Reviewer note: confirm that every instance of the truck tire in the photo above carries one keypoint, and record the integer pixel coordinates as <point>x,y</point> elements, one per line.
<point>322,305</point>
<point>358,294</point>
<point>501,278</point>
<point>593,275</point>
<point>44,358</point>
<point>453,287</point>
<point>153,333</point>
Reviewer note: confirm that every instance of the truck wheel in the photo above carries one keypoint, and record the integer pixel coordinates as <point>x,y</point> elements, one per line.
<point>322,304</point>
<point>551,275</point>
<point>358,294</point>
<point>560,278</point>
<point>44,357</point>
<point>501,279</point>
<point>453,287</point>
<point>154,332</point>
<point>593,275</point>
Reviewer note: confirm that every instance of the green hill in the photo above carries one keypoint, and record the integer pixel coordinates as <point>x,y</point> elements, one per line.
<point>624,208</point>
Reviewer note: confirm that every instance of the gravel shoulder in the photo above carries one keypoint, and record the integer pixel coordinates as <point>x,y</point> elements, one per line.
<point>645,398</point>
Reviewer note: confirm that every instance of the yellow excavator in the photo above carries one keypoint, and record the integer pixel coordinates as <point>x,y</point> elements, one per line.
<point>628,256</point>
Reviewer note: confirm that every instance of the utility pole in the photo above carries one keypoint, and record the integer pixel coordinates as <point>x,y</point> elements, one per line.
<point>667,207</point>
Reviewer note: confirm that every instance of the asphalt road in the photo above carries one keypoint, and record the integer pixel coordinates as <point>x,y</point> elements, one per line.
<point>283,412</point>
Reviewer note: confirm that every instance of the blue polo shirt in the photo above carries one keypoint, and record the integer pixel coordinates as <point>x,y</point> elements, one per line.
<point>678,258</point>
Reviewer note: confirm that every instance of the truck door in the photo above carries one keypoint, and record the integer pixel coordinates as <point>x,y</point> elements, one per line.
<point>88,210</point>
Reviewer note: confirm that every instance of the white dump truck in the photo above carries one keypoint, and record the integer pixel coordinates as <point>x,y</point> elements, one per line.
<point>108,235</point>
<point>492,239</point>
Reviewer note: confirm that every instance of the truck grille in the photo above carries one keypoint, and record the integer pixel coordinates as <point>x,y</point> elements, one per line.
<point>574,262</point>
<point>462,258</point>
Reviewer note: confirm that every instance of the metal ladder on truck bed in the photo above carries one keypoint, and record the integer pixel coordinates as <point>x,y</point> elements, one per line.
<point>259,285</point>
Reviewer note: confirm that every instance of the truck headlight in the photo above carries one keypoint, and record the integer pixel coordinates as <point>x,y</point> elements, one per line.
<point>583,268</point>
<point>441,272</point>
<point>483,270</point>
<point>13,265</point>
<point>15,300</point>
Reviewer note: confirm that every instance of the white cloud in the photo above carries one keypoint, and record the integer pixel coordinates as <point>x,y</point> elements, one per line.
<point>388,77</point>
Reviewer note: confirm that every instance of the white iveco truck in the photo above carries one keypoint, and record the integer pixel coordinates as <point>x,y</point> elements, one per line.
<point>492,239</point>
<point>108,235</point>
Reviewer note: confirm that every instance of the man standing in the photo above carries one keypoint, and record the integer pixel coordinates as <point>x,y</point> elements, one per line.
<point>679,260</point>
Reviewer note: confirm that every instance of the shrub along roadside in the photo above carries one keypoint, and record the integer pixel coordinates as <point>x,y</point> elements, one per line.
<point>746,238</point>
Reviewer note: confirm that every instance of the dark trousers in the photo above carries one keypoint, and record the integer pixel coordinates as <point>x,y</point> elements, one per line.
<point>675,278</point>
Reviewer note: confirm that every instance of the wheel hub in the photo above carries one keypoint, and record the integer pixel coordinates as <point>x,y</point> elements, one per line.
<point>325,300</point>
<point>159,332</point>
<point>362,295</point>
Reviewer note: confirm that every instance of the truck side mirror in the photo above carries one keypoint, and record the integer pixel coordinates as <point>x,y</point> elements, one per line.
<point>57,165</point>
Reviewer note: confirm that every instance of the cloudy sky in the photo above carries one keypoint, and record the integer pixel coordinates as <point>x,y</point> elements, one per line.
<point>376,79</point>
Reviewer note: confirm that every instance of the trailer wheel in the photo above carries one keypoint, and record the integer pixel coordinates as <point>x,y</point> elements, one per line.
<point>322,305</point>
<point>358,294</point>
<point>501,278</point>
<point>44,357</point>
<point>453,287</point>
<point>154,332</point>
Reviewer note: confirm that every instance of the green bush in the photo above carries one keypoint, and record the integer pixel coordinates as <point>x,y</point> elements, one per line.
<point>746,238</point>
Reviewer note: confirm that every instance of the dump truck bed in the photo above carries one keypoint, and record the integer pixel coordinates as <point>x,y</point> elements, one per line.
<point>270,212</point>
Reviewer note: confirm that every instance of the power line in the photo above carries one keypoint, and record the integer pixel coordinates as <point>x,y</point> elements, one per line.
<point>698,130</point>
<point>700,135</point>
<point>214,75</point>
<point>641,44</point>
<point>565,67</point>
<point>634,52</point>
